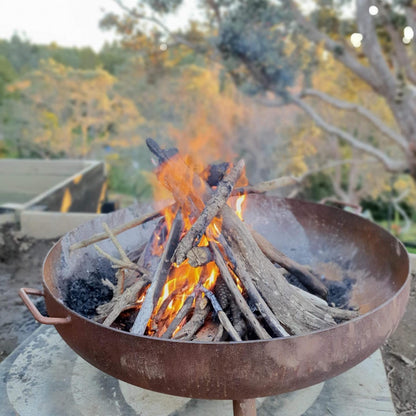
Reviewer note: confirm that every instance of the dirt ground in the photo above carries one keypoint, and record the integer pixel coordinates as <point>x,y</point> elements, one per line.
<point>20,265</point>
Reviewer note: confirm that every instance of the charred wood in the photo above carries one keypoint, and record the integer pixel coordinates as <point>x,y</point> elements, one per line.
<point>182,313</point>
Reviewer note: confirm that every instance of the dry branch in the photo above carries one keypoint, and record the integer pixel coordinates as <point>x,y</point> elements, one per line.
<point>266,186</point>
<point>118,230</point>
<point>111,310</point>
<point>159,278</point>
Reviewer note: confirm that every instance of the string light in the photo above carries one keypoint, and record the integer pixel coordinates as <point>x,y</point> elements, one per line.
<point>356,39</point>
<point>373,10</point>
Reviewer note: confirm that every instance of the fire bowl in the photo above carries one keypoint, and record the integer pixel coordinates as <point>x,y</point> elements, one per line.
<point>309,233</point>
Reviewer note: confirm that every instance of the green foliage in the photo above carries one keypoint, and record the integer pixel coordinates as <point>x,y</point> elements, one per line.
<point>252,44</point>
<point>317,187</point>
<point>7,75</point>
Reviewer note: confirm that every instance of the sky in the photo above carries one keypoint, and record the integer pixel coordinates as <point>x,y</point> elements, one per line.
<point>66,22</point>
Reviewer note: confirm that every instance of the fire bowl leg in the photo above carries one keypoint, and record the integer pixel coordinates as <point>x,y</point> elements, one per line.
<point>244,407</point>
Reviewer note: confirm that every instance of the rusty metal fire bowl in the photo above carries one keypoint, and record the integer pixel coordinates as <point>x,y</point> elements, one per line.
<point>307,232</point>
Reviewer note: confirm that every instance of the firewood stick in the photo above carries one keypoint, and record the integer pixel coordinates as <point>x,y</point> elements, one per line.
<point>159,278</point>
<point>186,307</point>
<point>111,310</point>
<point>223,318</point>
<point>215,203</point>
<point>199,256</point>
<point>266,186</point>
<point>201,312</point>
<point>238,297</point>
<point>308,279</point>
<point>117,230</point>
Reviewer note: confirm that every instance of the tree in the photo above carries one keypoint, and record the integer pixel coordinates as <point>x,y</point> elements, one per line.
<point>269,49</point>
<point>61,111</point>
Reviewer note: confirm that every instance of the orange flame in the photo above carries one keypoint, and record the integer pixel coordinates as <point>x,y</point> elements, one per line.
<point>183,279</point>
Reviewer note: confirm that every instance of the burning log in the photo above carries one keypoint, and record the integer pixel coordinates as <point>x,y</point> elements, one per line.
<point>305,276</point>
<point>159,278</point>
<point>186,307</point>
<point>199,256</point>
<point>211,209</point>
<point>198,318</point>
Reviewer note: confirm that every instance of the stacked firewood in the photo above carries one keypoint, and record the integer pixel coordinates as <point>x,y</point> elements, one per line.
<point>250,297</point>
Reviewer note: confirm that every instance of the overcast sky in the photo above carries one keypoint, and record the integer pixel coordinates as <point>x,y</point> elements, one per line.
<point>67,22</point>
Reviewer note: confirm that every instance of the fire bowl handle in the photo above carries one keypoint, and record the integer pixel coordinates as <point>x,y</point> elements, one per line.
<point>24,292</point>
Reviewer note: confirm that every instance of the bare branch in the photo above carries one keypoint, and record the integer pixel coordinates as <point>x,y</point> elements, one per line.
<point>153,19</point>
<point>375,121</point>
<point>391,164</point>
<point>399,49</point>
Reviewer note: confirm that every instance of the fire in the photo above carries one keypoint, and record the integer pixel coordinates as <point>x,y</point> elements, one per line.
<point>239,206</point>
<point>183,279</point>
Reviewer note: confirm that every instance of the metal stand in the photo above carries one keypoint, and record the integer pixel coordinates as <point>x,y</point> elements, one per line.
<point>244,407</point>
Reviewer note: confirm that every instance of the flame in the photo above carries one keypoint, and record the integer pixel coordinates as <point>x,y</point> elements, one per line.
<point>239,206</point>
<point>183,279</point>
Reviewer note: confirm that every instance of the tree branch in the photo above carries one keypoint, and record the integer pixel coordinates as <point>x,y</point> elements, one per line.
<point>390,164</point>
<point>337,49</point>
<point>372,50</point>
<point>375,121</point>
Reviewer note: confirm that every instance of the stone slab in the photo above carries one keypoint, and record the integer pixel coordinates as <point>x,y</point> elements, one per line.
<point>44,377</point>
